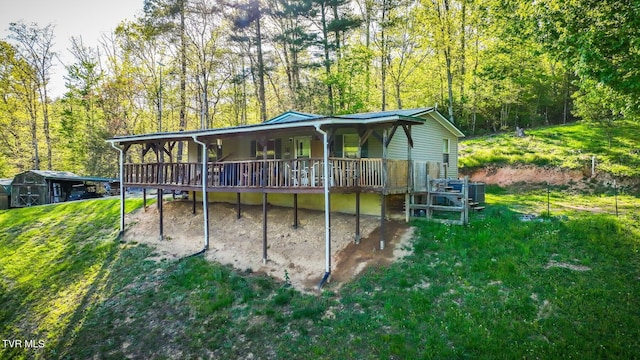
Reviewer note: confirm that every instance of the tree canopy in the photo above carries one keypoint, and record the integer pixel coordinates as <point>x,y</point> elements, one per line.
<point>487,65</point>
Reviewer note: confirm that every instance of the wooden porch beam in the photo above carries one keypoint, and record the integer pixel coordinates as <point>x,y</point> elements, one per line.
<point>364,136</point>
<point>146,149</point>
<point>169,151</point>
<point>390,136</point>
<point>407,131</point>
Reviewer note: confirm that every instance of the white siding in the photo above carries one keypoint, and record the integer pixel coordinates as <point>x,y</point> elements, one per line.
<point>427,144</point>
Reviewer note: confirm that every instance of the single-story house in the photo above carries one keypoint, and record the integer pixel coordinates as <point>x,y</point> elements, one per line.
<point>348,163</point>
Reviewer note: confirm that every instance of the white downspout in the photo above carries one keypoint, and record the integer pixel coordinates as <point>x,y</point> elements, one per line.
<point>327,224</point>
<point>122,195</point>
<point>205,204</point>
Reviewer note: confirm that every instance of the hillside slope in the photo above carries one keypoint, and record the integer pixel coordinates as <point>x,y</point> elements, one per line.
<point>567,147</point>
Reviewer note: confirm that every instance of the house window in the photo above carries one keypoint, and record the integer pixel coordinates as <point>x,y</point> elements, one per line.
<point>274,147</point>
<point>445,151</point>
<point>271,150</point>
<point>350,145</point>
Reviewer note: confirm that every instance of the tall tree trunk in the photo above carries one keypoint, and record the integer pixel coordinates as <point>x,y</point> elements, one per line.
<point>474,85</point>
<point>336,17</point>
<point>444,12</point>
<point>367,68</point>
<point>463,35</point>
<point>327,59</point>
<point>183,77</point>
<point>383,55</point>
<point>45,125</point>
<point>565,109</point>
<point>261,89</point>
<point>33,113</point>
<point>450,85</point>
<point>398,97</point>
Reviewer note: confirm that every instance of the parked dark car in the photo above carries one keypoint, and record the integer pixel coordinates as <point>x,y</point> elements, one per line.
<point>82,193</point>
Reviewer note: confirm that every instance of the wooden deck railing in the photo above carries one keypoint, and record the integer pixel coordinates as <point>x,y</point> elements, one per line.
<point>299,173</point>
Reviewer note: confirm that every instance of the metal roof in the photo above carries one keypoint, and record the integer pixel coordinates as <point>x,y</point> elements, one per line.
<point>5,186</point>
<point>292,116</point>
<point>296,120</point>
<point>67,176</point>
<point>379,114</point>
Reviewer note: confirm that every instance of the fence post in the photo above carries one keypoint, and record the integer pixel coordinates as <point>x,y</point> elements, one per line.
<point>548,201</point>
<point>615,195</point>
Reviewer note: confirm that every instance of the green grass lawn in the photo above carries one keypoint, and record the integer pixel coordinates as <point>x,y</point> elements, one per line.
<point>492,289</point>
<point>569,146</point>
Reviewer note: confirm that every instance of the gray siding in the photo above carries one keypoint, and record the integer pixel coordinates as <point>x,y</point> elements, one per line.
<point>427,144</point>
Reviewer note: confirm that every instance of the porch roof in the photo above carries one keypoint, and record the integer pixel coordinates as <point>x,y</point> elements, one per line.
<point>292,120</point>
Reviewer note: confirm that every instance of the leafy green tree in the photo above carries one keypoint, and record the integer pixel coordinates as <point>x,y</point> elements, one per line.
<point>597,39</point>
<point>35,46</point>
<point>16,151</point>
<point>248,20</point>
<point>292,39</point>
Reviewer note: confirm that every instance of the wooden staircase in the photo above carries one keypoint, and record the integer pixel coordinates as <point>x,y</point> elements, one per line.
<point>443,197</point>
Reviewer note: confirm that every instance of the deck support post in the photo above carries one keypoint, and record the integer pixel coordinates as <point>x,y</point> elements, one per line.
<point>264,228</point>
<point>144,199</point>
<point>383,214</point>
<point>385,180</point>
<point>410,180</point>
<point>263,179</point>
<point>160,212</point>
<point>327,206</point>
<point>238,208</point>
<point>205,195</point>
<point>193,209</point>
<point>122,192</point>
<point>358,236</point>
<point>295,211</point>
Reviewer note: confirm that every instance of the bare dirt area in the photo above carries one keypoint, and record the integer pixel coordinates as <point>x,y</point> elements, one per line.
<point>509,175</point>
<point>296,254</point>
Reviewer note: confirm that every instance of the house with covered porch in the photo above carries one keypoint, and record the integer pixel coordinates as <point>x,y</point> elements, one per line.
<point>355,163</point>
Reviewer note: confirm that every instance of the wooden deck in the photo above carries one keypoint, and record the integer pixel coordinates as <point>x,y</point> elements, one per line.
<point>289,176</point>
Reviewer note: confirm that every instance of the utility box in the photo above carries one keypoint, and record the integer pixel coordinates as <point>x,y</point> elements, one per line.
<point>5,193</point>
<point>476,192</point>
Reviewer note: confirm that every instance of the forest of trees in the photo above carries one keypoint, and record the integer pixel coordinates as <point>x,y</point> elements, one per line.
<point>488,65</point>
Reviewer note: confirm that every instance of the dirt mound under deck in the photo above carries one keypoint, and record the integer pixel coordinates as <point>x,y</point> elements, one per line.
<point>298,253</point>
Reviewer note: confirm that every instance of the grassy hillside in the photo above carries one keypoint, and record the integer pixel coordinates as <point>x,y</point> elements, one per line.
<point>497,288</point>
<point>569,146</point>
